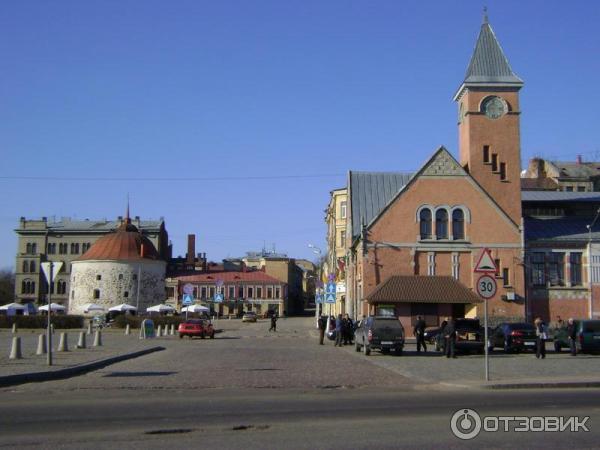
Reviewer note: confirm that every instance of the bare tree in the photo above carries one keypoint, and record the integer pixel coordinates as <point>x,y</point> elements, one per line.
<point>7,286</point>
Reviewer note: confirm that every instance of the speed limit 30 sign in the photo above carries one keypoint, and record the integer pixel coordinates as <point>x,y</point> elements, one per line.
<point>486,286</point>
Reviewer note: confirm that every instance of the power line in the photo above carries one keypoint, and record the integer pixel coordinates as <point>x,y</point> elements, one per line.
<point>171,179</point>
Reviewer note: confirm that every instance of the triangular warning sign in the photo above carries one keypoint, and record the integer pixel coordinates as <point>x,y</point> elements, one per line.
<point>486,263</point>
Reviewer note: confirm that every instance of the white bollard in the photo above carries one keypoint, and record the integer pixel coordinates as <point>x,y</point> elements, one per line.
<point>63,343</point>
<point>172,329</point>
<point>127,330</point>
<point>41,350</point>
<point>141,332</point>
<point>14,328</point>
<point>81,342</point>
<point>89,330</point>
<point>159,331</point>
<point>98,339</point>
<point>15,350</point>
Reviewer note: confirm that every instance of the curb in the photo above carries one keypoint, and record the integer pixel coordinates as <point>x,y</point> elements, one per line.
<point>527,385</point>
<point>36,377</point>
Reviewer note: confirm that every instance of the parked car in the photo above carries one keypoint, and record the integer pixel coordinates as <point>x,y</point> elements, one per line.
<point>469,337</point>
<point>512,337</point>
<point>379,333</point>
<point>196,327</point>
<point>249,316</point>
<point>588,336</point>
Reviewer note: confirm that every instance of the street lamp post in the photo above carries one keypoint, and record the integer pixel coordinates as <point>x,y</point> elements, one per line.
<point>317,251</point>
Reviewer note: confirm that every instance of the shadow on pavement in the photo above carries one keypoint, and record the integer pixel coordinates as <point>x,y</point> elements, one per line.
<point>139,374</point>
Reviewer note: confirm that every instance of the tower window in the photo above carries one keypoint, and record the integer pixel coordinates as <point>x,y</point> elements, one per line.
<point>32,266</point>
<point>494,162</point>
<point>96,294</point>
<point>441,224</point>
<point>98,277</point>
<point>126,294</point>
<point>503,171</point>
<point>486,153</point>
<point>25,266</point>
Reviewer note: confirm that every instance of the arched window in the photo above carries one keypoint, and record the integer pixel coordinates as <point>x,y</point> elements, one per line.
<point>425,223</point>
<point>120,276</point>
<point>33,249</point>
<point>441,224</point>
<point>28,249</point>
<point>32,266</point>
<point>25,266</point>
<point>458,224</point>
<point>61,287</point>
<point>23,287</point>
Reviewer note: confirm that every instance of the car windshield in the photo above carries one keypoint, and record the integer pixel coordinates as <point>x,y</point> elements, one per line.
<point>381,322</point>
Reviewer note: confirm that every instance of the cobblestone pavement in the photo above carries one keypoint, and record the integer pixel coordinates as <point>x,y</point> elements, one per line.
<point>114,342</point>
<point>432,367</point>
<point>243,355</point>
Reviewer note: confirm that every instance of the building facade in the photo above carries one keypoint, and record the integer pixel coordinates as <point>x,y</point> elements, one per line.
<point>423,229</point>
<point>241,291</point>
<point>568,176</point>
<point>66,240</point>
<point>336,218</point>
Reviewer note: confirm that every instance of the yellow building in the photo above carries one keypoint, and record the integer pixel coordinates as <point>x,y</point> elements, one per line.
<point>335,265</point>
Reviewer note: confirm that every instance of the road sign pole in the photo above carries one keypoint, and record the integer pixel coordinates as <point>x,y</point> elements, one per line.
<point>49,330</point>
<point>487,351</point>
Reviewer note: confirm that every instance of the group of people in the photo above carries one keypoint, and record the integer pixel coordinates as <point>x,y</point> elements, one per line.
<point>343,326</point>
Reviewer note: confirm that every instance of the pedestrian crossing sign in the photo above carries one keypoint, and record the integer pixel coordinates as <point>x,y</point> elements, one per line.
<point>330,298</point>
<point>318,298</point>
<point>330,288</point>
<point>218,297</point>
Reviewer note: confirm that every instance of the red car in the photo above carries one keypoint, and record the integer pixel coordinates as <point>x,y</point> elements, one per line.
<point>196,327</point>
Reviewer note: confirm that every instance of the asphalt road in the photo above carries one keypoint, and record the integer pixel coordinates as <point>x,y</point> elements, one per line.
<point>258,390</point>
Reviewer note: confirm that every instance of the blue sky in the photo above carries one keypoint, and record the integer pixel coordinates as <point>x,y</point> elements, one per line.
<point>155,92</point>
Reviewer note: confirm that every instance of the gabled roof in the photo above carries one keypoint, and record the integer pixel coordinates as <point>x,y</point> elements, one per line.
<point>489,65</point>
<point>422,289</point>
<point>370,193</point>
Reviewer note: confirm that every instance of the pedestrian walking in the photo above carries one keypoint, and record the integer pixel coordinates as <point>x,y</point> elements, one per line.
<point>541,332</point>
<point>450,338</point>
<point>273,323</point>
<point>419,332</point>
<point>572,333</point>
<point>322,322</point>
<point>348,328</point>
<point>339,329</point>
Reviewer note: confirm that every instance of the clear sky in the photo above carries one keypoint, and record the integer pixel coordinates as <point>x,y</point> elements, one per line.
<point>231,93</point>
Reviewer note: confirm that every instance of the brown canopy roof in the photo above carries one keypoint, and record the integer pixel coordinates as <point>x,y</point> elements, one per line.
<point>422,289</point>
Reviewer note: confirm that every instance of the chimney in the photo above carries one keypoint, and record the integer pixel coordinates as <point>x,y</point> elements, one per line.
<point>191,249</point>
<point>142,250</point>
<point>579,159</point>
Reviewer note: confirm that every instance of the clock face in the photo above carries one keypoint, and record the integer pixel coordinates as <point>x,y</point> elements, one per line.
<point>494,107</point>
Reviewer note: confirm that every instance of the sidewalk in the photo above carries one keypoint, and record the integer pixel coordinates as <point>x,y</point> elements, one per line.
<point>115,346</point>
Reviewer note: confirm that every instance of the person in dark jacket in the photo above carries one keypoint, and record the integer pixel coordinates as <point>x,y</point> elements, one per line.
<point>541,332</point>
<point>348,330</point>
<point>273,323</point>
<point>450,337</point>
<point>572,333</point>
<point>322,325</point>
<point>419,331</point>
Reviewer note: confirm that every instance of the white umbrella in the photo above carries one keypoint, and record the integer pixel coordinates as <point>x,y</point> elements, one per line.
<point>160,308</point>
<point>92,307</point>
<point>195,309</point>
<point>123,307</point>
<point>13,307</point>
<point>53,306</point>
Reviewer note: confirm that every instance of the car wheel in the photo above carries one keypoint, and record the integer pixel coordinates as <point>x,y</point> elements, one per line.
<point>490,346</point>
<point>385,351</point>
<point>367,350</point>
<point>399,352</point>
<point>557,347</point>
<point>181,336</point>
<point>438,348</point>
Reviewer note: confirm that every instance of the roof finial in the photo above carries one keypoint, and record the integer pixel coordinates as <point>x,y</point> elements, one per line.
<point>485,15</point>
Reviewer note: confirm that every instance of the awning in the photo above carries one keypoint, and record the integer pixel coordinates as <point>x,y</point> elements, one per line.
<point>422,289</point>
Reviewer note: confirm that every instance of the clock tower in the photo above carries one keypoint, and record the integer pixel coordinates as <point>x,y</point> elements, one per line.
<point>488,123</point>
